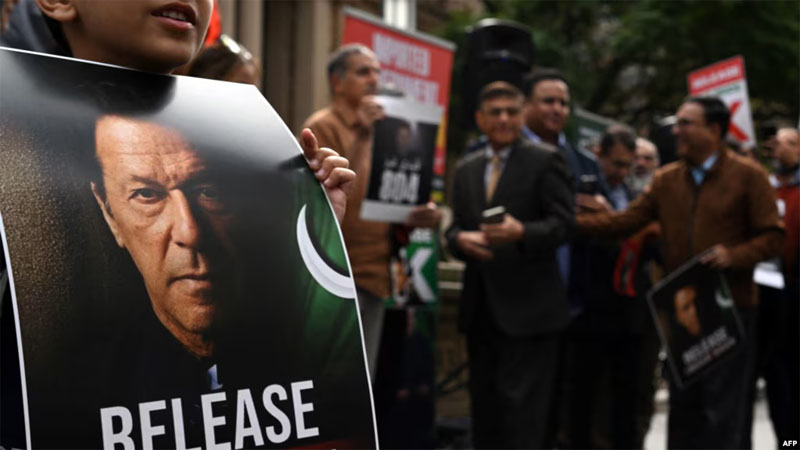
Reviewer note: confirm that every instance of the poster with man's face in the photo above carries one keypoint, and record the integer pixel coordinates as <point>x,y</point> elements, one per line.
<point>696,318</point>
<point>178,278</point>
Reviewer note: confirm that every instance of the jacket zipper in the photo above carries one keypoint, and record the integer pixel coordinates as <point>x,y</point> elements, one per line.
<point>696,195</point>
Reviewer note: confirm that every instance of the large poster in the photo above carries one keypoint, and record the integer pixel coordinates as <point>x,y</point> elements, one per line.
<point>727,80</point>
<point>696,318</point>
<point>177,274</point>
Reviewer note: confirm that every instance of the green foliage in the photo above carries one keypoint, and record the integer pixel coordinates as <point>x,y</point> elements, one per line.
<point>628,60</point>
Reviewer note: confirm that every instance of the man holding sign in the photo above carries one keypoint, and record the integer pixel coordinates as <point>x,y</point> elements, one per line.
<point>710,199</point>
<point>348,125</point>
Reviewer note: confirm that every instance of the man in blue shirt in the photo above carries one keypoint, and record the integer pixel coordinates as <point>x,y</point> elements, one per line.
<point>546,113</point>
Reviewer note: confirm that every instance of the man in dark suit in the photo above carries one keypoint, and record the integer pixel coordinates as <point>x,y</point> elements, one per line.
<point>513,302</point>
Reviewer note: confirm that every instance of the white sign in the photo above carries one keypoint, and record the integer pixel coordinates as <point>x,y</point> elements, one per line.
<point>728,81</point>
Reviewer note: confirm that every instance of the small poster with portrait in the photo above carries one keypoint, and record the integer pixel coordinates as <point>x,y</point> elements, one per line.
<point>696,318</point>
<point>177,274</point>
<point>402,159</point>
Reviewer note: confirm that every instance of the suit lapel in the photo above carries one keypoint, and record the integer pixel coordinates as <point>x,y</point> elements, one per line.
<point>477,178</point>
<point>507,177</point>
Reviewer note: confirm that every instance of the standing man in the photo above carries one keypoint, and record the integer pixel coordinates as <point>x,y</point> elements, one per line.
<point>605,336</point>
<point>348,125</point>
<point>778,312</point>
<point>546,112</point>
<point>513,301</point>
<point>711,199</point>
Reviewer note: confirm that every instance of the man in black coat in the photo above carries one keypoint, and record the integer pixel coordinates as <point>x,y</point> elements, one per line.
<point>513,302</point>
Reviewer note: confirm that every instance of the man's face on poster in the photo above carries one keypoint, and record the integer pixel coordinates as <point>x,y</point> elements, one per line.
<point>164,208</point>
<point>686,311</point>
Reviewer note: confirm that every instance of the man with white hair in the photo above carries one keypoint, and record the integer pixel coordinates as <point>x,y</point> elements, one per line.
<point>644,166</point>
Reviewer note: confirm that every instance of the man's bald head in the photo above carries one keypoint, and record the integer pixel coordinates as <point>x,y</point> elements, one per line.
<point>647,159</point>
<point>787,147</point>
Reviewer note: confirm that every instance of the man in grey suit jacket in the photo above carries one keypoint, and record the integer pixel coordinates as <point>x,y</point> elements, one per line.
<point>513,302</point>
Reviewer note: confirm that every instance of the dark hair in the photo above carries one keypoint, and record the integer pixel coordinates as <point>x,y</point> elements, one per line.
<point>216,61</point>
<point>714,112</point>
<point>618,134</point>
<point>338,62</point>
<point>125,97</point>
<point>498,89</point>
<point>545,73</point>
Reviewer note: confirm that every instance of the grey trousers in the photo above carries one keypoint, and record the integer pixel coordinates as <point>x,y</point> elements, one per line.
<point>372,310</point>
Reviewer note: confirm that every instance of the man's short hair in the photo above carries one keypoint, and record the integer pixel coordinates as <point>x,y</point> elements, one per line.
<point>497,89</point>
<point>618,134</point>
<point>532,79</point>
<point>714,112</point>
<point>337,63</point>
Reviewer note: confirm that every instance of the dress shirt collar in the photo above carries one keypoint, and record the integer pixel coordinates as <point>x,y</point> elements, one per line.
<point>502,153</point>
<point>699,173</point>
<point>528,133</point>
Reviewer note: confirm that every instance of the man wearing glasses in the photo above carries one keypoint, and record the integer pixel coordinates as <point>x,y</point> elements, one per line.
<point>512,207</point>
<point>715,202</point>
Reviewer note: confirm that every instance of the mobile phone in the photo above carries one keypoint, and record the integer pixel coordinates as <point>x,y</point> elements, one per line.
<point>493,215</point>
<point>588,184</point>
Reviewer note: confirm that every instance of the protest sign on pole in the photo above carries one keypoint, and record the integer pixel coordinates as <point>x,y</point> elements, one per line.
<point>177,274</point>
<point>728,81</point>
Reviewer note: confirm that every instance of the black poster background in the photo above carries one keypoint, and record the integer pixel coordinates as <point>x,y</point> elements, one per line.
<point>417,158</point>
<point>401,170</point>
<point>89,337</point>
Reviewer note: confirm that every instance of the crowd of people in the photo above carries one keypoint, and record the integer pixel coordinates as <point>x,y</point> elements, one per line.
<point>562,349</point>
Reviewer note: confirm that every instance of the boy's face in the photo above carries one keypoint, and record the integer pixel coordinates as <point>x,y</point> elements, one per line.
<point>152,35</point>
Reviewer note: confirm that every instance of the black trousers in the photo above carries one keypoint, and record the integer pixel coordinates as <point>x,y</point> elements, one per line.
<point>779,357</point>
<point>511,385</point>
<point>602,395</point>
<point>716,411</point>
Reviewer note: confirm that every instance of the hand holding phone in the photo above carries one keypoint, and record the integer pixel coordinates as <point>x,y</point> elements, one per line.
<point>493,215</point>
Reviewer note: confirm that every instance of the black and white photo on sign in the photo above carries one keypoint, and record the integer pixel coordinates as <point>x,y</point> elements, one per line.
<point>402,159</point>
<point>696,318</point>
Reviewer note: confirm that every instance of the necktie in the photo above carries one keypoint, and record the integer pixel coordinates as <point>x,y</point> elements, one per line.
<point>494,176</point>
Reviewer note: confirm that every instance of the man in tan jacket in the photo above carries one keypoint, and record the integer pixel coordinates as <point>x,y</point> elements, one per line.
<point>711,199</point>
<point>348,125</point>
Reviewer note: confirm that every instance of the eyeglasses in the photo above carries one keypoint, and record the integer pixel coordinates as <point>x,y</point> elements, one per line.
<point>511,111</point>
<point>684,123</point>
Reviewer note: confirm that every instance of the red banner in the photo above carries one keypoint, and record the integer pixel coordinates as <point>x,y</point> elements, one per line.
<point>417,64</point>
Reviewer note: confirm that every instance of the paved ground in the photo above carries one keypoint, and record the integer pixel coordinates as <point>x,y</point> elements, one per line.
<point>763,436</point>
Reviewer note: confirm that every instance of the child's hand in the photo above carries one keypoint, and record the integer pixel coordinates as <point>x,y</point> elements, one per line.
<point>331,170</point>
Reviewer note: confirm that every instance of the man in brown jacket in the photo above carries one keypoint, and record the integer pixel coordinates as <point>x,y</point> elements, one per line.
<point>347,125</point>
<point>711,199</point>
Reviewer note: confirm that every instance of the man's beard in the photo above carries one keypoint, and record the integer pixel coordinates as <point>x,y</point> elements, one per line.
<point>638,182</point>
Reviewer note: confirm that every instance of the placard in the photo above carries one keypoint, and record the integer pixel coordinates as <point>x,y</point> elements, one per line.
<point>178,276</point>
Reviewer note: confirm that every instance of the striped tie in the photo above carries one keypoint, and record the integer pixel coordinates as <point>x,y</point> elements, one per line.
<point>494,176</point>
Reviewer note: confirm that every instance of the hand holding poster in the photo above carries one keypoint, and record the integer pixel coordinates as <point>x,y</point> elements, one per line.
<point>177,274</point>
<point>695,316</point>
